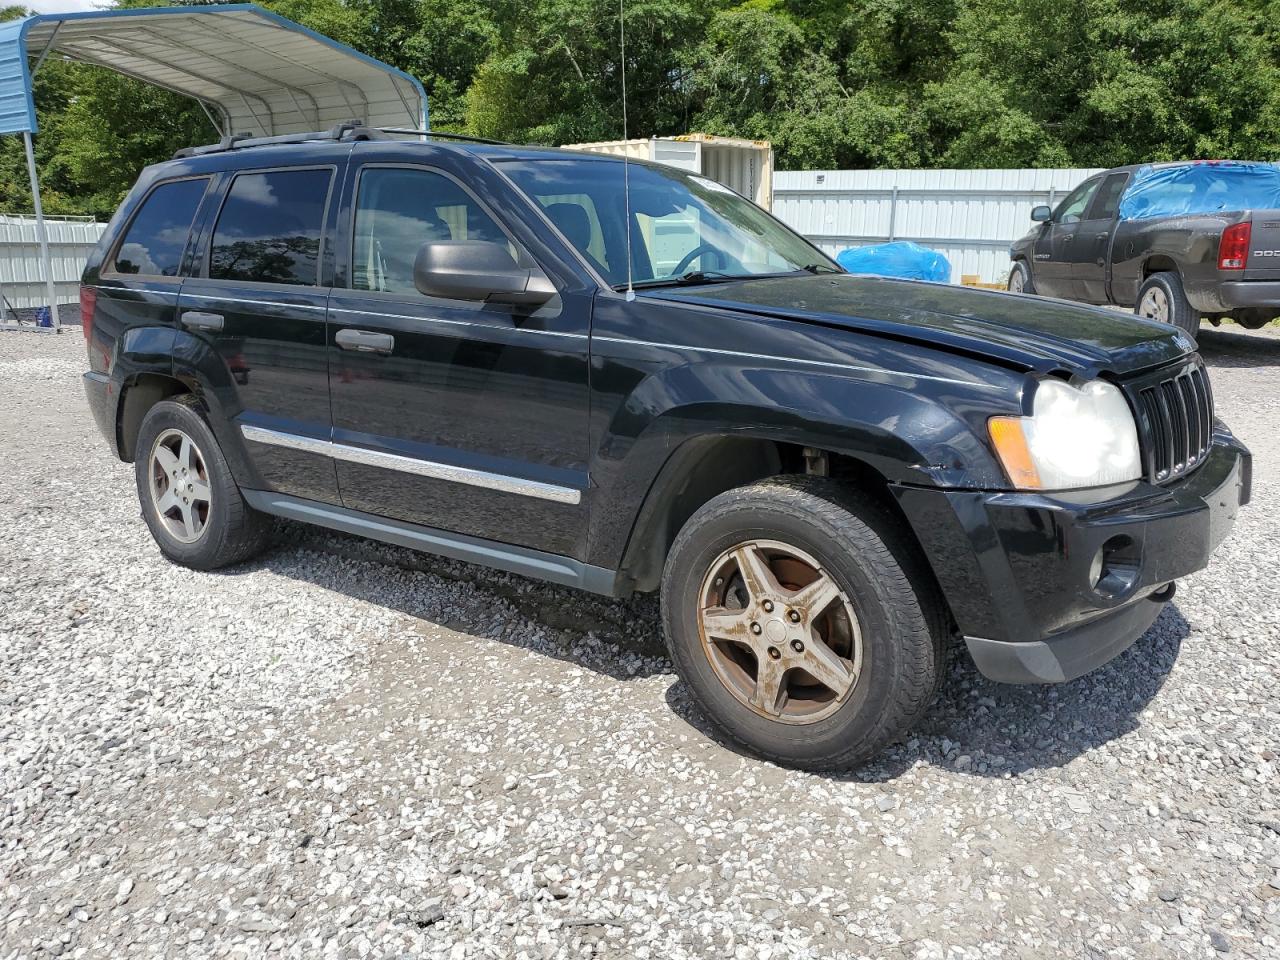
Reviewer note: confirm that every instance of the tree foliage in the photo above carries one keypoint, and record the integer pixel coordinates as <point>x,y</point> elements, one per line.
<point>833,83</point>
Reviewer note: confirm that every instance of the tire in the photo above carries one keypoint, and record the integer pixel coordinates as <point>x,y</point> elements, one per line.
<point>886,623</point>
<point>1162,298</point>
<point>1020,278</point>
<point>206,523</point>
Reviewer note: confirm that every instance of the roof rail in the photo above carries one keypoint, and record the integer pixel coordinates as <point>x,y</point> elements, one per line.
<point>441,135</point>
<point>347,129</point>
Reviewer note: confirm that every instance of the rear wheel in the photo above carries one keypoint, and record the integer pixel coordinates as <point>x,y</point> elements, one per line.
<point>1020,278</point>
<point>799,616</point>
<point>1162,298</point>
<point>189,499</point>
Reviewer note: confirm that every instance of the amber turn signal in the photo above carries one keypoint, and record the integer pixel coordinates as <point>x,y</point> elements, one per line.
<point>1011,447</point>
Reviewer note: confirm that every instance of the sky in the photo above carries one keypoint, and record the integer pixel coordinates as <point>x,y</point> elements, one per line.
<point>62,6</point>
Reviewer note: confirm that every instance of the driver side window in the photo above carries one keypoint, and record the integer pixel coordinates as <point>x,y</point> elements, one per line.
<point>397,211</point>
<point>1072,209</point>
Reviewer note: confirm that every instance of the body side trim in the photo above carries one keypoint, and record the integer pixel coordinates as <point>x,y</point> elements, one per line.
<point>422,468</point>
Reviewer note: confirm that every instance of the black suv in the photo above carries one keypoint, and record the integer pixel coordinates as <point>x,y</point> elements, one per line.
<point>628,378</point>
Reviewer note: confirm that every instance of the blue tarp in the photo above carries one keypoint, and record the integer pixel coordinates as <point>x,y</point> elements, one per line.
<point>902,259</point>
<point>1205,187</point>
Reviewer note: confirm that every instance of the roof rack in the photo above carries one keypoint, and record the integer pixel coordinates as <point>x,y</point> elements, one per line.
<point>346,130</point>
<point>442,135</point>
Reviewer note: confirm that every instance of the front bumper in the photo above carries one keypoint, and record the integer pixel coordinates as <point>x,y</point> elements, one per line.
<point>1018,569</point>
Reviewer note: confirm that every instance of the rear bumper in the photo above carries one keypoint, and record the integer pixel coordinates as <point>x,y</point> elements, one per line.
<point>103,400</point>
<point>1250,294</point>
<point>1018,569</point>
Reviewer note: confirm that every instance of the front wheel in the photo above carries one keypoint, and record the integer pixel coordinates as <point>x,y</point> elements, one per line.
<point>1020,278</point>
<point>189,499</point>
<point>803,622</point>
<point>1162,298</point>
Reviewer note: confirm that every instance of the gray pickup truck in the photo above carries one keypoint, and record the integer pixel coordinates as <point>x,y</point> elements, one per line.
<point>1178,242</point>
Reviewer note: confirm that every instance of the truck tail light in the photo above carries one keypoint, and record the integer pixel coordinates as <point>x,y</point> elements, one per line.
<point>1233,249</point>
<point>88,300</point>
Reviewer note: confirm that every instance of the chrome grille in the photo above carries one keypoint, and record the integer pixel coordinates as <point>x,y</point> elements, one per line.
<point>1175,422</point>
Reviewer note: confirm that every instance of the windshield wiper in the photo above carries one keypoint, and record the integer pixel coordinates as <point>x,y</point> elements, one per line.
<point>820,268</point>
<point>686,279</point>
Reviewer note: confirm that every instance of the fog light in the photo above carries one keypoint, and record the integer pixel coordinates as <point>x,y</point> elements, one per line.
<point>1113,572</point>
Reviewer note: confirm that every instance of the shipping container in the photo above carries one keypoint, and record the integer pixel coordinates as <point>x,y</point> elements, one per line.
<point>745,166</point>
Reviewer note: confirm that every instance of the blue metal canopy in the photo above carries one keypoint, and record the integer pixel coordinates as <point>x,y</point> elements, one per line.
<point>253,71</point>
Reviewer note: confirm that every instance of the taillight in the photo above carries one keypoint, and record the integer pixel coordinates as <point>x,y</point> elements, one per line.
<point>1233,249</point>
<point>88,300</point>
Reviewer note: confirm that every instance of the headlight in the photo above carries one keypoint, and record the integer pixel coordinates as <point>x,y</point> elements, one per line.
<point>1075,437</point>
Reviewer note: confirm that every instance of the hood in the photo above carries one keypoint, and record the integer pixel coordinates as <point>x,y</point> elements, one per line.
<point>1031,333</point>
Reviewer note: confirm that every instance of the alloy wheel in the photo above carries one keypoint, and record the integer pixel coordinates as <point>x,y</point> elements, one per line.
<point>779,632</point>
<point>1155,305</point>
<point>180,489</point>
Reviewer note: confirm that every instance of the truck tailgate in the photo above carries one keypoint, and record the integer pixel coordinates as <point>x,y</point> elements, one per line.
<point>1264,247</point>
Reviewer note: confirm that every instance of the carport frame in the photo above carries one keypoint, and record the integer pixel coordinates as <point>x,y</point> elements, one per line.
<point>17,104</point>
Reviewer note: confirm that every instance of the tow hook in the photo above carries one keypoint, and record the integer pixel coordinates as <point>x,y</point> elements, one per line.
<point>1165,593</point>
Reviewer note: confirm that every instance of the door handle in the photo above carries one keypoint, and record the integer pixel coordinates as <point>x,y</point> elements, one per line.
<point>365,341</point>
<point>1101,236</point>
<point>195,320</point>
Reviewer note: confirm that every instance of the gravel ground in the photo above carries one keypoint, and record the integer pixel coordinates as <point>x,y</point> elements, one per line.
<point>347,750</point>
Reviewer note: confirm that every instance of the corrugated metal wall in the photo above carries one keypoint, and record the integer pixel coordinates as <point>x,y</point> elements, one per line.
<point>21,276</point>
<point>970,216</point>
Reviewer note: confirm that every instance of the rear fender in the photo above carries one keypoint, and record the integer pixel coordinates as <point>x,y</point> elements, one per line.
<point>205,372</point>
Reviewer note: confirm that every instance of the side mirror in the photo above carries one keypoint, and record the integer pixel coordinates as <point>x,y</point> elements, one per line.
<point>478,270</point>
<point>1041,213</point>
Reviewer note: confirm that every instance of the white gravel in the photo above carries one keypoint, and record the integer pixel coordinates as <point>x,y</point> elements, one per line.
<point>348,750</point>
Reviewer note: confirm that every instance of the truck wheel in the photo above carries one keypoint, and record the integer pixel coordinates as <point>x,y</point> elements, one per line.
<point>801,617</point>
<point>1162,298</point>
<point>1020,278</point>
<point>189,499</point>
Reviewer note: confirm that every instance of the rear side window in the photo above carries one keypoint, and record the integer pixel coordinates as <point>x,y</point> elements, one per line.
<point>269,228</point>
<point>153,244</point>
<point>1108,200</point>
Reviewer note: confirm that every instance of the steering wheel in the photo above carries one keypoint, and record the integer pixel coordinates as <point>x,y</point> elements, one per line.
<point>700,250</point>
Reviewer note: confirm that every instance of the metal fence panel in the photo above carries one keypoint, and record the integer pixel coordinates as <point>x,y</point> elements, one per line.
<point>21,277</point>
<point>970,216</point>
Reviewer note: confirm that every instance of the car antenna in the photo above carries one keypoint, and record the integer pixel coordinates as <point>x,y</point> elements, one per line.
<point>626,168</point>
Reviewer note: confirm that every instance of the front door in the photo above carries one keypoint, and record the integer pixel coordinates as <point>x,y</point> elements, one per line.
<point>258,300</point>
<point>1055,250</point>
<point>1093,239</point>
<point>459,415</point>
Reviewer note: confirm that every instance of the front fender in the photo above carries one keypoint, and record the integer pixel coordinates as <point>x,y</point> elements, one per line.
<point>911,429</point>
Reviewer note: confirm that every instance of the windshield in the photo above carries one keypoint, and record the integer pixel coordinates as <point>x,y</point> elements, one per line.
<point>682,226</point>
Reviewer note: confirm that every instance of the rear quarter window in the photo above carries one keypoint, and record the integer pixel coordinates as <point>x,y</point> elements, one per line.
<point>157,236</point>
<point>270,226</point>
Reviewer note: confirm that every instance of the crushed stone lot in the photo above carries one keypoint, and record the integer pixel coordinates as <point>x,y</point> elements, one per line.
<point>350,750</point>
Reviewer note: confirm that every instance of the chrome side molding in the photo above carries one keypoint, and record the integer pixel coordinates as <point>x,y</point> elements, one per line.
<point>431,469</point>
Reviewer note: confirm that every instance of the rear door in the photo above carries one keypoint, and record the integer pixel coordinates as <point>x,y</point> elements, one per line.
<point>257,298</point>
<point>464,416</point>
<point>1054,270</point>
<point>1090,249</point>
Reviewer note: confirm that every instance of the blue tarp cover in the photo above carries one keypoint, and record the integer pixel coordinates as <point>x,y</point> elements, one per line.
<point>1205,187</point>
<point>902,259</point>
